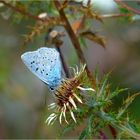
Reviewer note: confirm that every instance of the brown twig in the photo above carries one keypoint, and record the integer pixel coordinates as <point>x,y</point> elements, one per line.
<point>74,40</point>
<point>63,61</point>
<point>127,7</point>
<point>115,15</point>
<point>21,11</point>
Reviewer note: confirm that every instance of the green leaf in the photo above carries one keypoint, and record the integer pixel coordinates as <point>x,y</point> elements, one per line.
<point>90,123</point>
<point>83,134</point>
<point>82,41</point>
<point>103,86</point>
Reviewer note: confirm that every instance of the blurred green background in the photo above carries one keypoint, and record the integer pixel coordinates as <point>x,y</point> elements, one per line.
<point>22,95</point>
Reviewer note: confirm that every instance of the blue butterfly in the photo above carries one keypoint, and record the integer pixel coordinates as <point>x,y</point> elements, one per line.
<point>45,64</point>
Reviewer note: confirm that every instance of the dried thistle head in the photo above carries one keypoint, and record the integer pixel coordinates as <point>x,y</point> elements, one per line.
<point>66,97</point>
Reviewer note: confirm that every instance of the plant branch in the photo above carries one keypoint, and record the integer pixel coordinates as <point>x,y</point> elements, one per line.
<point>127,7</point>
<point>74,40</point>
<point>21,11</point>
<point>115,15</point>
<point>63,60</point>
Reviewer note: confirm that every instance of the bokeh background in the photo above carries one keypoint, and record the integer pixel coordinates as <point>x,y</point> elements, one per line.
<point>22,95</point>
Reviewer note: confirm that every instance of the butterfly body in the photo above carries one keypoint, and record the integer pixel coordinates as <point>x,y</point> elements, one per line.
<point>45,64</point>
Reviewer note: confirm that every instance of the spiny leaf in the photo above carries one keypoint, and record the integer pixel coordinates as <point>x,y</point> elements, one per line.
<point>103,85</point>
<point>94,15</point>
<point>133,126</point>
<point>90,123</point>
<point>126,103</point>
<point>41,27</point>
<point>116,92</point>
<point>87,11</point>
<point>127,130</point>
<point>93,37</point>
<point>83,134</point>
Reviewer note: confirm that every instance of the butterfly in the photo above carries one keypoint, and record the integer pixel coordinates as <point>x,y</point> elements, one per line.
<point>45,64</point>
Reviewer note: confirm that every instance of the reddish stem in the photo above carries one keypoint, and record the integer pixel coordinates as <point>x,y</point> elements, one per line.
<point>127,7</point>
<point>113,131</point>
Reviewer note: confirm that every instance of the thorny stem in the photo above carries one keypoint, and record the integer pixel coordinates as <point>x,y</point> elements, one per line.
<point>122,127</point>
<point>127,7</point>
<point>23,12</point>
<point>74,40</point>
<point>77,46</point>
<point>102,16</point>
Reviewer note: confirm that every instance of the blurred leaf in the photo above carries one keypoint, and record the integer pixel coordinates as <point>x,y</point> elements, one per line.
<point>7,13</point>
<point>83,134</point>
<point>93,37</point>
<point>124,10</point>
<point>136,17</point>
<point>82,41</point>
<point>76,25</point>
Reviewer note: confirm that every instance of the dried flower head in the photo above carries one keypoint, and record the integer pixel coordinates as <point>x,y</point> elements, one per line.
<point>66,97</point>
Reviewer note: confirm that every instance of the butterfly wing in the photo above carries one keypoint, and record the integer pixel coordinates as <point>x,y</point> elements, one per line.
<point>45,64</point>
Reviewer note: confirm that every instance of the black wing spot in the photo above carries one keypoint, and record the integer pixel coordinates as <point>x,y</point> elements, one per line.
<point>51,88</point>
<point>46,73</point>
<point>36,69</point>
<point>32,62</point>
<point>43,70</point>
<point>51,61</point>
